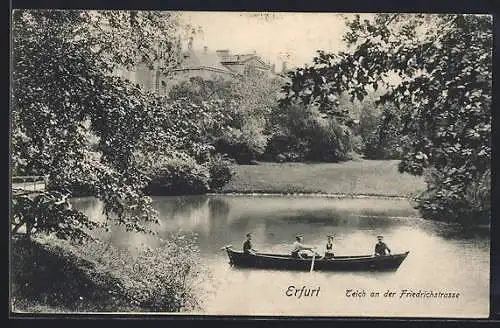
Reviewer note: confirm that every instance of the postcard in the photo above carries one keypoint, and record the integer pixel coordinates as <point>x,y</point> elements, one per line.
<point>251,163</point>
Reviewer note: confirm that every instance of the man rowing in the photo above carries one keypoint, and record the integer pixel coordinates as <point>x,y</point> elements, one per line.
<point>298,246</point>
<point>381,248</point>
<point>247,245</point>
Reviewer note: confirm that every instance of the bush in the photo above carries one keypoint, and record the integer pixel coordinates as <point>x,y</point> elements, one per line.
<point>240,152</point>
<point>220,171</point>
<point>376,148</point>
<point>356,142</point>
<point>177,174</point>
<point>99,277</point>
<point>301,133</point>
<point>381,136</point>
<point>478,193</point>
<point>446,199</point>
<point>285,148</point>
<point>328,142</point>
<point>45,274</point>
<point>244,145</point>
<point>160,279</point>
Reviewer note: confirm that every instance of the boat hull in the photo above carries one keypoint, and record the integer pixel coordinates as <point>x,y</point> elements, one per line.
<point>341,263</point>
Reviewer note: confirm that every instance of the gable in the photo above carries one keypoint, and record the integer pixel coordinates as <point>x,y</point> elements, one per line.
<point>201,60</point>
<point>255,61</point>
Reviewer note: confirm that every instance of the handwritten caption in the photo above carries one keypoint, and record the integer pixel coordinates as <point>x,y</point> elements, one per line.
<point>401,294</point>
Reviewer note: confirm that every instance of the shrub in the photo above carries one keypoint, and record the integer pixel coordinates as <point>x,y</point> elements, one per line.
<point>100,277</point>
<point>285,148</point>
<point>177,174</point>
<point>160,279</point>
<point>381,136</point>
<point>303,133</point>
<point>327,142</point>
<point>240,152</point>
<point>376,148</point>
<point>356,142</point>
<point>244,145</point>
<point>447,199</point>
<point>478,193</point>
<point>220,172</point>
<point>46,274</point>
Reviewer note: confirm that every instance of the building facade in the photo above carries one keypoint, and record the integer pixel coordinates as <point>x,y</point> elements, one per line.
<point>195,63</point>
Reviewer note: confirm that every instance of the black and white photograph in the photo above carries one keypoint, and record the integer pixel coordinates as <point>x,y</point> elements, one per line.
<point>250,163</point>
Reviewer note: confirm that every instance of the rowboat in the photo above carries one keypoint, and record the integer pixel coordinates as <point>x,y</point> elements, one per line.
<point>339,263</point>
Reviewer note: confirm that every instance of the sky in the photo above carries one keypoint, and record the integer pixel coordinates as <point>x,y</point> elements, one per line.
<point>291,37</point>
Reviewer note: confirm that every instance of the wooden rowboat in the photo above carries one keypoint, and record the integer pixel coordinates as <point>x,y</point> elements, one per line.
<point>339,263</point>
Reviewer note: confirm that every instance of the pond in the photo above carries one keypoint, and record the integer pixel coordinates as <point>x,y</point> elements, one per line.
<point>443,257</point>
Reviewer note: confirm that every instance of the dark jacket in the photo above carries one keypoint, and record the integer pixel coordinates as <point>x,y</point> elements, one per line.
<point>381,249</point>
<point>247,247</point>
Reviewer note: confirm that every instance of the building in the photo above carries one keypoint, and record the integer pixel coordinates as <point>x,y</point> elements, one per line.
<point>199,63</point>
<point>240,63</point>
<point>194,63</point>
<point>214,64</point>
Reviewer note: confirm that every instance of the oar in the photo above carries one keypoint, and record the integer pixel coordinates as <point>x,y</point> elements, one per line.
<point>312,262</point>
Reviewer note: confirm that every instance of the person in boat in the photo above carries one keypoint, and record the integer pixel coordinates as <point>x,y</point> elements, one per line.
<point>298,247</point>
<point>381,248</point>
<point>247,245</point>
<point>329,248</point>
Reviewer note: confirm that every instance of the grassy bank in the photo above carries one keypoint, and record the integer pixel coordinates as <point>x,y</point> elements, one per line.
<point>364,177</point>
<point>49,276</point>
<point>54,275</point>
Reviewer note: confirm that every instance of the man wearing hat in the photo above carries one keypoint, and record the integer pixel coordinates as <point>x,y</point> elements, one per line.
<point>299,246</point>
<point>247,245</point>
<point>381,248</point>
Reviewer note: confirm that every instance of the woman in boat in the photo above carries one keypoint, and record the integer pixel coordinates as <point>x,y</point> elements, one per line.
<point>298,246</point>
<point>329,248</point>
<point>381,248</point>
<point>247,245</point>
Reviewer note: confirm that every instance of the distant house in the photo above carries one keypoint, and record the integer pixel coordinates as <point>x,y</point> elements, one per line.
<point>209,64</point>
<point>240,63</point>
<point>195,63</point>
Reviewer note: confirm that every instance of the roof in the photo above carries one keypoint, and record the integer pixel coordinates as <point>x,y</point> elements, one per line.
<point>233,59</point>
<point>198,59</point>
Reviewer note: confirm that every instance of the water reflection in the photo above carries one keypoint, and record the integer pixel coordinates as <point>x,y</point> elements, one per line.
<point>443,257</point>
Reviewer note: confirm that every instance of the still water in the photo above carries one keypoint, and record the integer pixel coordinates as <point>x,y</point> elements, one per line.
<point>443,257</point>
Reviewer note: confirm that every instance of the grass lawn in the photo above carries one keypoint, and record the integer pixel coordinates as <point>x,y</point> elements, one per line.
<point>363,177</point>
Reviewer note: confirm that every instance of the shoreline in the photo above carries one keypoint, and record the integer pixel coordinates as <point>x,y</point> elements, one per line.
<point>374,179</point>
<point>310,194</point>
<point>273,194</point>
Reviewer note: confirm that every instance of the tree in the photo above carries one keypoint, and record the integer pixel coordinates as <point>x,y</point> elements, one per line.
<point>252,98</point>
<point>205,104</point>
<point>63,86</point>
<point>383,140</point>
<point>199,90</point>
<point>437,69</point>
<point>239,118</point>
